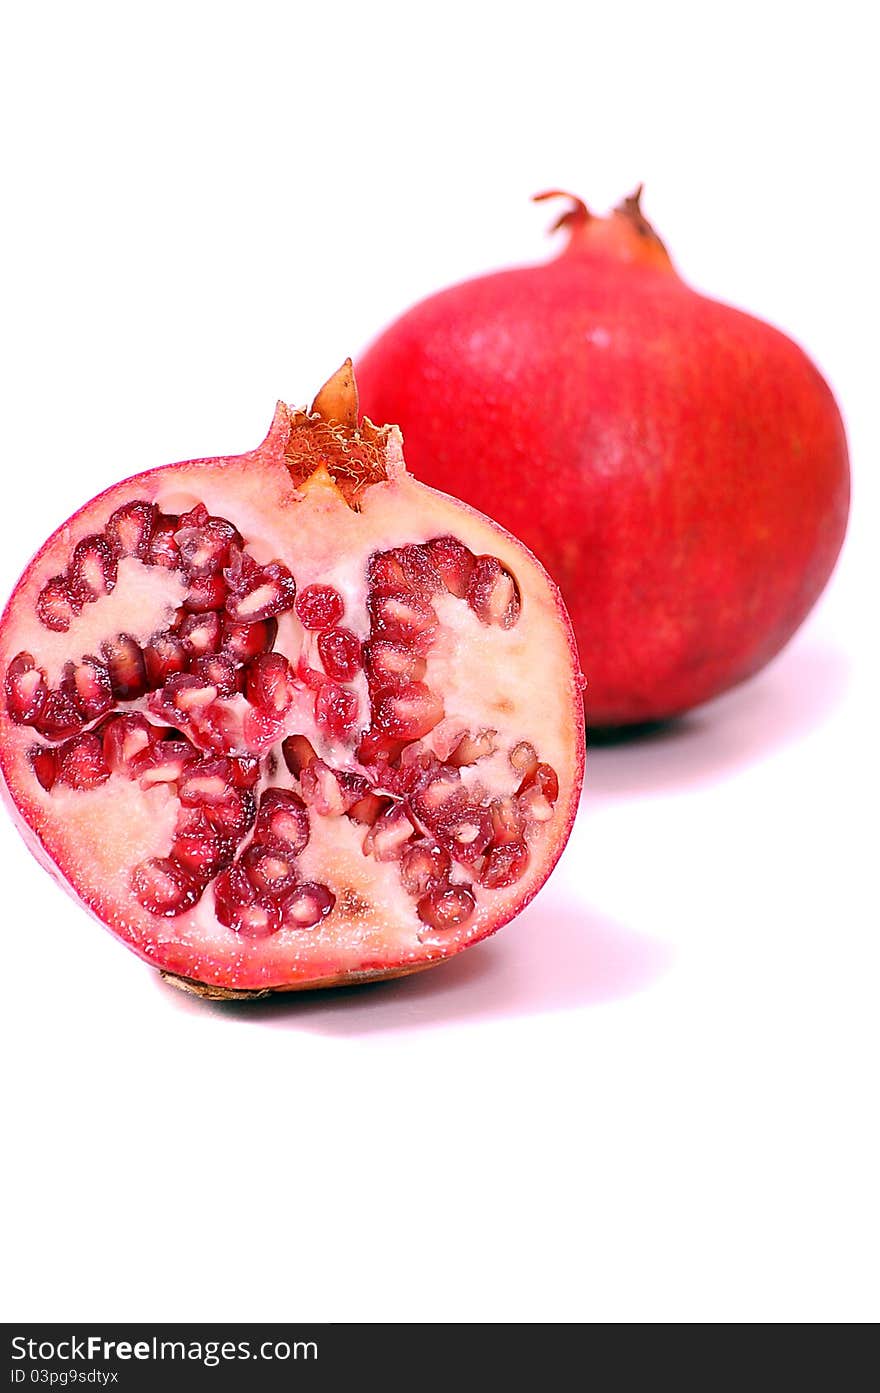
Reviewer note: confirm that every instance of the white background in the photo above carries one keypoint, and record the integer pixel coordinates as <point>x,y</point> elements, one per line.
<point>654,1097</point>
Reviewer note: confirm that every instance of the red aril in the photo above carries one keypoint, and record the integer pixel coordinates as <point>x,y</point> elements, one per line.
<point>260,712</point>
<point>679,466</point>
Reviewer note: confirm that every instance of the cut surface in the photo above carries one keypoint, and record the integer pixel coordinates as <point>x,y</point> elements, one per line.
<point>267,716</point>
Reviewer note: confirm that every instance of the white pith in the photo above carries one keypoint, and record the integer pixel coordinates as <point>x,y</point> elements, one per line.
<point>521,687</point>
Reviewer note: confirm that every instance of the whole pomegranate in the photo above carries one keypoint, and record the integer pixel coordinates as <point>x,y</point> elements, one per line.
<point>679,467</point>
<point>291,718</point>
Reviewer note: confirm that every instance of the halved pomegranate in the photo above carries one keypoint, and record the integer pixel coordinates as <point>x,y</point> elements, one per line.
<point>291,719</point>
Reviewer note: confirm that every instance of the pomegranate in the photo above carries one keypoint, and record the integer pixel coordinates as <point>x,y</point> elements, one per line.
<point>291,718</point>
<point>679,467</point>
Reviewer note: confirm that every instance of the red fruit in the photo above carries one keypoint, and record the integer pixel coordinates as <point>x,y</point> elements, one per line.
<point>245,641</point>
<point>232,791</point>
<point>126,667</point>
<point>680,467</point>
<point>58,604</point>
<point>340,652</point>
<point>319,606</point>
<point>307,906</point>
<point>199,848</point>
<point>240,907</point>
<point>26,690</point>
<point>283,817</point>
<point>81,762</point>
<point>88,684</point>
<point>336,711</point>
<point>129,530</point>
<point>124,738</point>
<point>93,568</point>
<point>164,655</point>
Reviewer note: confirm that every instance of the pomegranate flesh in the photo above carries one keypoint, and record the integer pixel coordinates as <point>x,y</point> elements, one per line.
<point>265,715</point>
<point>699,463</point>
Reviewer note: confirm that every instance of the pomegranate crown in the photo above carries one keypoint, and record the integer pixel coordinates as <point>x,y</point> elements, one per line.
<point>625,233</point>
<point>331,437</point>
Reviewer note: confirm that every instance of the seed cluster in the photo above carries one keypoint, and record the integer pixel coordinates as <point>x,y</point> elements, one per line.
<point>216,698</point>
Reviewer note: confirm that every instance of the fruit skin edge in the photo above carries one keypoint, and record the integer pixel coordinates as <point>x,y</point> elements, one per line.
<point>276,435</point>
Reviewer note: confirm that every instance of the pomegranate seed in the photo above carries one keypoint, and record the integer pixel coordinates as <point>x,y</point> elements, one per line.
<point>415,770</point>
<point>446,908</point>
<point>424,867</point>
<point>385,572</point>
<point>408,618</point>
<point>242,642</point>
<point>377,748</point>
<point>269,591</point>
<point>164,655</point>
<point>283,818</point>
<point>470,748</point>
<point>162,762</point>
<point>336,711</point>
<point>523,758</point>
<point>125,664</point>
<point>543,777</point>
<point>404,568</point>
<point>125,737</point>
<point>44,764</point>
<point>319,607</point>
<point>505,865</point>
<point>201,633</point>
<point>218,671</point>
<point>162,549</point>
<point>307,906</point>
<point>57,605</point>
<point>184,695</point>
<point>205,593</point>
<point>59,717</point>
<point>298,754</point>
<point>437,801</point>
<point>321,789</point>
<point>535,806</point>
<point>89,686</point>
<point>269,684</point>
<point>235,815</point>
<point>81,762</point>
<point>354,787</point>
<point>467,832</point>
<point>493,594</point>
<point>270,867</point>
<point>205,543</point>
<point>312,677</point>
<point>237,906</point>
<point>92,570</point>
<point>163,887</point>
<point>388,665</point>
<point>209,781</point>
<point>340,652</point>
<point>26,689</point>
<point>507,820</point>
<point>454,563</point>
<point>410,713</point>
<point>245,771</point>
<point>130,529</point>
<point>419,570</point>
<point>389,834</point>
<point>367,809</point>
<point>200,850</point>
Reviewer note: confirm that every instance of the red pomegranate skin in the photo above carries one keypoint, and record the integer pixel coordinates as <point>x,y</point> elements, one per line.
<point>679,466</point>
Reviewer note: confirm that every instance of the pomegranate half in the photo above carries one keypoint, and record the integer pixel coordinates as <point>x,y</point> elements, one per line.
<point>291,719</point>
<point>680,467</point>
